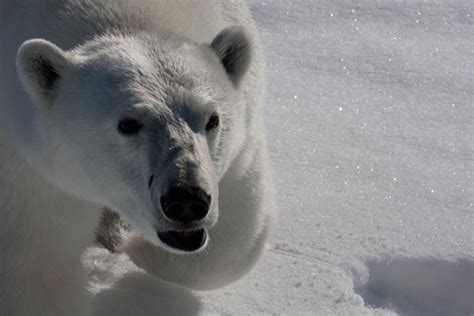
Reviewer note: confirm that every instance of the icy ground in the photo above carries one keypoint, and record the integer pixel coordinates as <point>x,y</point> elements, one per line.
<point>370,120</point>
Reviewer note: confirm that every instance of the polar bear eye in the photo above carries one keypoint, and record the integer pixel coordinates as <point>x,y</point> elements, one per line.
<point>213,122</point>
<point>129,126</point>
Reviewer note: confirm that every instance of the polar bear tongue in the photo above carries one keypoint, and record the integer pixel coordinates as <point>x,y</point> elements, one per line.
<point>185,240</point>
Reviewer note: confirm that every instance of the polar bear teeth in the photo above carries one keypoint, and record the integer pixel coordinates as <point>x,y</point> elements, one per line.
<point>185,240</point>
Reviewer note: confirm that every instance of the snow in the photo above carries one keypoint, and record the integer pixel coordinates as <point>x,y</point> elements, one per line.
<point>370,124</point>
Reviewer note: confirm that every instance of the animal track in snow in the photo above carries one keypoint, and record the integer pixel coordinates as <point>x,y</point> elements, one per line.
<point>420,286</point>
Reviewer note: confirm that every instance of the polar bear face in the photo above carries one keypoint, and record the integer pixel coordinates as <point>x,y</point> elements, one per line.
<point>146,125</point>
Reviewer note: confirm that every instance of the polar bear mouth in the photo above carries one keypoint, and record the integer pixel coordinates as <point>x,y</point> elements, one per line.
<point>184,240</point>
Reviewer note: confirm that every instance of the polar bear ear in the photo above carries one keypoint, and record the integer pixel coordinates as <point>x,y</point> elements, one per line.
<point>234,50</point>
<point>40,65</point>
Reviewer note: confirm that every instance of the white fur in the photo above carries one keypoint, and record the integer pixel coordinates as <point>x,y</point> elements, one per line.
<point>63,159</point>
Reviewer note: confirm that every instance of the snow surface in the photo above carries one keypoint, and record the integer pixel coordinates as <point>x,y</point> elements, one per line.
<point>370,125</point>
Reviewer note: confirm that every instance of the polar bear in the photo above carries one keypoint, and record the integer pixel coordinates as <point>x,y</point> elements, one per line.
<point>152,108</point>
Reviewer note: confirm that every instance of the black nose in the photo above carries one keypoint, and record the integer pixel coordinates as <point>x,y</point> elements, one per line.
<point>186,204</point>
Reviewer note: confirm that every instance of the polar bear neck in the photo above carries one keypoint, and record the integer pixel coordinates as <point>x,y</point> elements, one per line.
<point>35,219</point>
<point>28,200</point>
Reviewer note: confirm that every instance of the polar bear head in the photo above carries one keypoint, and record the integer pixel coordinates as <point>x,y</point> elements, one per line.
<point>144,124</point>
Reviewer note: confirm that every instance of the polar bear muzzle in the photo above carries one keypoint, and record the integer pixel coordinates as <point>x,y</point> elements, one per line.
<point>186,207</point>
